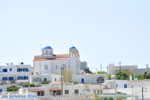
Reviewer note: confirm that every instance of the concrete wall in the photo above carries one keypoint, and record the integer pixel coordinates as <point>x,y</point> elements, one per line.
<point>89,78</point>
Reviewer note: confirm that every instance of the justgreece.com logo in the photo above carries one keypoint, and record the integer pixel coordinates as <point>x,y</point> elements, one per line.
<point>19,97</point>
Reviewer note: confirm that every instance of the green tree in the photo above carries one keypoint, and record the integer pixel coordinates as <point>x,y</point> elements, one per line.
<point>87,71</point>
<point>123,74</point>
<point>109,76</point>
<point>68,74</point>
<point>140,77</point>
<point>12,89</point>
<point>148,76</point>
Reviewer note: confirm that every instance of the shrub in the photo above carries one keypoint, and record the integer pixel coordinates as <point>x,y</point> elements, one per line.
<point>29,85</point>
<point>12,89</point>
<point>45,82</point>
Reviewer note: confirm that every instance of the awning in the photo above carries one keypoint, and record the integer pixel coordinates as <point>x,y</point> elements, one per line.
<point>55,89</point>
<point>39,90</point>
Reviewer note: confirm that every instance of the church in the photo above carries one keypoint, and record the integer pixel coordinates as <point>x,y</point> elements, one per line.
<point>50,63</point>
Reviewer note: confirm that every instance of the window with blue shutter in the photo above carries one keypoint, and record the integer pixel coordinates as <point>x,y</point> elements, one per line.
<point>82,80</point>
<point>4,78</point>
<point>45,79</point>
<point>26,78</point>
<point>11,78</point>
<point>125,86</point>
<point>0,90</point>
<point>4,70</point>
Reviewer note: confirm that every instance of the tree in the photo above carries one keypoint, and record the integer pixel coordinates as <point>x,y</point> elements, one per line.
<point>140,77</point>
<point>109,76</point>
<point>12,89</point>
<point>144,76</point>
<point>68,74</point>
<point>87,71</point>
<point>123,74</point>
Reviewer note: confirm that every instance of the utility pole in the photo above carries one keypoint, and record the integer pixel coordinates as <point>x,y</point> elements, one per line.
<point>147,66</point>
<point>142,93</point>
<point>107,69</point>
<point>62,80</point>
<point>120,65</point>
<point>96,70</point>
<point>101,67</point>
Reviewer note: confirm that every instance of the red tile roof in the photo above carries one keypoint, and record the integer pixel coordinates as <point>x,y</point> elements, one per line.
<point>55,89</point>
<point>39,90</point>
<point>58,57</point>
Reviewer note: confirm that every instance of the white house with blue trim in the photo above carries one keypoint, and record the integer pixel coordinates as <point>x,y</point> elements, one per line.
<point>14,75</point>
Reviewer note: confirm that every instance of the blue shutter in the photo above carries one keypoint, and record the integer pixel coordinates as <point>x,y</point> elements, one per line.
<point>82,80</point>
<point>4,78</point>
<point>11,78</point>
<point>1,90</point>
<point>4,70</point>
<point>45,79</point>
<point>125,86</point>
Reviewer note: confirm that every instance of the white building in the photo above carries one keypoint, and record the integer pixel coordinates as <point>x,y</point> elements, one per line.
<point>50,63</point>
<point>14,75</point>
<point>112,69</point>
<point>38,79</point>
<point>70,91</point>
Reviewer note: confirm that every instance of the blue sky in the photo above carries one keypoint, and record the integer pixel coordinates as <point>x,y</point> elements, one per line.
<point>104,31</point>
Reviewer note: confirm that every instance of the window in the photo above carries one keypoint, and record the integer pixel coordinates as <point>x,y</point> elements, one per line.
<point>46,67</point>
<point>100,80</point>
<point>23,78</point>
<point>66,91</point>
<point>125,86</point>
<point>40,93</point>
<point>94,91</point>
<point>4,78</point>
<point>20,70</point>
<point>19,77</point>
<point>45,79</point>
<point>26,78</point>
<point>36,79</point>
<point>56,66</point>
<point>25,69</point>
<point>76,91</point>
<point>0,90</point>
<point>4,70</point>
<point>47,52</point>
<point>82,80</point>
<point>11,78</point>
<point>55,79</point>
<point>10,69</point>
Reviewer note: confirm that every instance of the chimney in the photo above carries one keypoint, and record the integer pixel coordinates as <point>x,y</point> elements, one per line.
<point>21,63</point>
<point>147,66</point>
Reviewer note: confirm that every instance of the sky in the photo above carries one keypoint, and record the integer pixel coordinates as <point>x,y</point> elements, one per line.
<point>104,31</point>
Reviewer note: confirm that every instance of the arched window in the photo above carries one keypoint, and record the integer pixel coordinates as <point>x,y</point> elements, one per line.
<point>46,67</point>
<point>100,80</point>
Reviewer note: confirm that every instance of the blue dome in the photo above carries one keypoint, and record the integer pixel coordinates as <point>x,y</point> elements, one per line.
<point>48,47</point>
<point>72,47</point>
